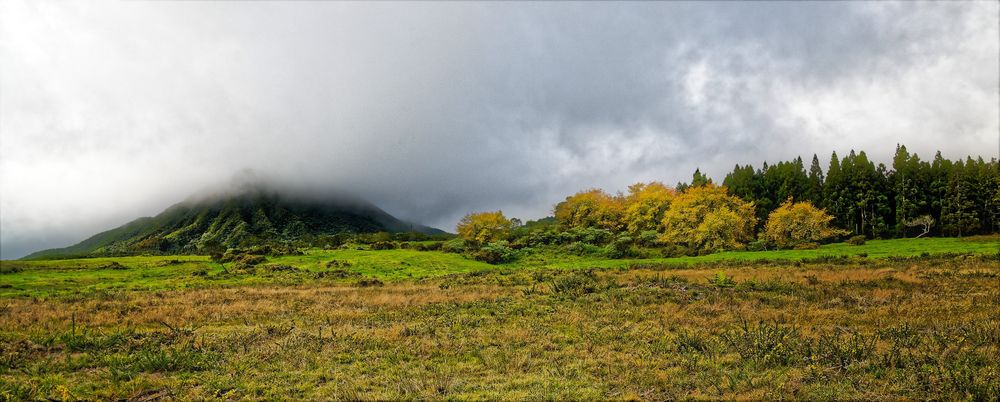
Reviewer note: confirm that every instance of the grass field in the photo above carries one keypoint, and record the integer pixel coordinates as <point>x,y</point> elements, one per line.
<point>411,324</point>
<point>57,278</point>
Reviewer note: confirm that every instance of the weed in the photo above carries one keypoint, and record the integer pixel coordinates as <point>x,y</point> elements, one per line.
<point>720,280</point>
<point>765,344</point>
<point>575,284</point>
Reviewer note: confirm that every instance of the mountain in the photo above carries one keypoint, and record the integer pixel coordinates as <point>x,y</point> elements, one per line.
<point>252,215</point>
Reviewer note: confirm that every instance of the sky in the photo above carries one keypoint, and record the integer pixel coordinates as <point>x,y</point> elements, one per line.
<point>113,110</point>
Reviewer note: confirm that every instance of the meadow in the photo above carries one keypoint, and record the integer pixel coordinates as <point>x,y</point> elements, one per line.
<point>907,318</point>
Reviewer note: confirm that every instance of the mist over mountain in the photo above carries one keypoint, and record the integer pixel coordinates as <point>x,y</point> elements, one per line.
<point>248,212</point>
<point>433,110</point>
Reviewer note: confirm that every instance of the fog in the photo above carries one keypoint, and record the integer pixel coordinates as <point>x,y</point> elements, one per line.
<point>114,110</point>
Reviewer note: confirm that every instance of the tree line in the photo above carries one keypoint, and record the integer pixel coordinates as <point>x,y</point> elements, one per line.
<point>911,197</point>
<point>778,205</point>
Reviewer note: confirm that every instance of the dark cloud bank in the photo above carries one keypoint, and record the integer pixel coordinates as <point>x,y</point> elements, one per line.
<point>110,111</point>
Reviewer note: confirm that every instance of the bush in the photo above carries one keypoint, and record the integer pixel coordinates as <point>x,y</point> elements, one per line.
<point>428,246</point>
<point>856,240</point>
<point>453,246</point>
<point>244,261</point>
<point>594,235</point>
<point>276,249</point>
<point>620,248</point>
<point>677,250</point>
<point>541,237</point>
<point>384,245</point>
<point>565,237</point>
<point>581,248</point>
<point>217,258</point>
<point>367,283</point>
<point>496,253</point>
<point>331,241</point>
<point>115,266</point>
<point>648,238</point>
<point>759,245</point>
<point>807,246</point>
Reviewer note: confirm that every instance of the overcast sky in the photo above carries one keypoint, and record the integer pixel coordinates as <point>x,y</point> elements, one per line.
<point>114,110</point>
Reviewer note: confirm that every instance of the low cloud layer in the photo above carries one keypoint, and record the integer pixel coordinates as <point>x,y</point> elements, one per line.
<point>114,110</point>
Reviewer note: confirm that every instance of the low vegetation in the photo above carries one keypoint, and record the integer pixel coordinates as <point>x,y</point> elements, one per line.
<point>402,323</point>
<point>412,261</point>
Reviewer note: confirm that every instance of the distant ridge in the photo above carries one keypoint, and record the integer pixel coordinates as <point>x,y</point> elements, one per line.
<point>249,214</point>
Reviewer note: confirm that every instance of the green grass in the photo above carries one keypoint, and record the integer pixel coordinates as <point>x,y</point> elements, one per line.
<point>871,249</point>
<point>386,264</point>
<point>46,278</point>
<point>439,326</point>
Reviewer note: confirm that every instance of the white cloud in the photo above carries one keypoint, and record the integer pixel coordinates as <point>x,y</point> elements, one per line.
<point>111,110</point>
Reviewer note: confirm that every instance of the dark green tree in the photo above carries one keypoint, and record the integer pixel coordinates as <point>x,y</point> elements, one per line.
<point>814,187</point>
<point>958,207</point>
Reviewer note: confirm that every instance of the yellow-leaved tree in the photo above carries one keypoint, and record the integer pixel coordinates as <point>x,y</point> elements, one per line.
<point>590,209</point>
<point>795,223</point>
<point>481,228</point>
<point>708,218</point>
<point>645,206</point>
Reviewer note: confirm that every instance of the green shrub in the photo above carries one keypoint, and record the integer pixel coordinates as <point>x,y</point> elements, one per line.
<point>856,240</point>
<point>677,250</point>
<point>581,248</point>
<point>453,246</point>
<point>250,259</point>
<point>496,253</point>
<point>720,280</point>
<point>565,237</point>
<point>648,238</point>
<point>622,247</point>
<point>429,246</point>
<point>594,235</point>
<point>245,261</point>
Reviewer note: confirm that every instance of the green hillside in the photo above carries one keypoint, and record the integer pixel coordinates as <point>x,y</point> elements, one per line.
<point>252,217</point>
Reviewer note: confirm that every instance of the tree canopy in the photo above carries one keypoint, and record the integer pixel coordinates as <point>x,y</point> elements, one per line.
<point>708,218</point>
<point>591,208</point>
<point>792,224</point>
<point>481,228</point>
<point>645,205</point>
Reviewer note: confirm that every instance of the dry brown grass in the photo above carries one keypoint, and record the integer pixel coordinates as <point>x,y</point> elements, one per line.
<point>643,333</point>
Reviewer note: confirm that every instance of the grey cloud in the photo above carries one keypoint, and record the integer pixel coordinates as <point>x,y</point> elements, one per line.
<point>111,110</point>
